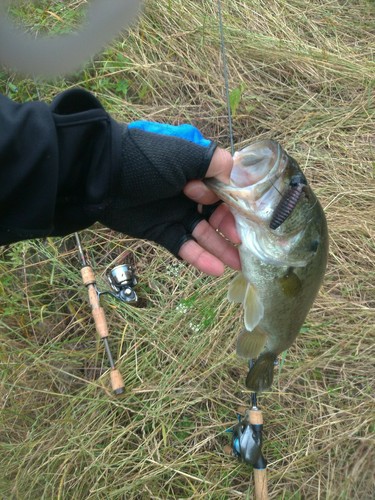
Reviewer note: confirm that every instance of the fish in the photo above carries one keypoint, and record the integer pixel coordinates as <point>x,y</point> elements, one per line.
<point>283,252</point>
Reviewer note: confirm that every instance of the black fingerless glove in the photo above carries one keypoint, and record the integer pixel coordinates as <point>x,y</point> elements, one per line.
<point>68,165</point>
<point>128,177</point>
<point>145,194</point>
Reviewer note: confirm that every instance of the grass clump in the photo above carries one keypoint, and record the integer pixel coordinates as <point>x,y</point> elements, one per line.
<point>301,73</point>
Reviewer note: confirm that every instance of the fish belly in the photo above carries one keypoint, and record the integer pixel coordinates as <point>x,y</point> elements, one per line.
<point>286,295</point>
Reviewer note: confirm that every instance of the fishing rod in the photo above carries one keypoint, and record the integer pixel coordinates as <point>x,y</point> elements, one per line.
<point>122,280</point>
<point>247,434</point>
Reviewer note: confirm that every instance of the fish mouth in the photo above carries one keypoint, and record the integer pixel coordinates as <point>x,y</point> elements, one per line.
<point>257,164</point>
<point>259,176</point>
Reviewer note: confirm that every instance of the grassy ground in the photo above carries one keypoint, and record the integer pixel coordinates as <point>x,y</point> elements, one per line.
<point>305,76</point>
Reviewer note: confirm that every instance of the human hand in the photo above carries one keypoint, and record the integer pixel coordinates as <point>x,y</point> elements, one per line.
<point>211,251</point>
<point>157,194</point>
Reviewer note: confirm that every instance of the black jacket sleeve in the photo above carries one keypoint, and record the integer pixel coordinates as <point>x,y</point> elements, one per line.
<point>55,165</point>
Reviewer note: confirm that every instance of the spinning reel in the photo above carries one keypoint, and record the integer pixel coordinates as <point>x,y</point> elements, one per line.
<point>122,280</point>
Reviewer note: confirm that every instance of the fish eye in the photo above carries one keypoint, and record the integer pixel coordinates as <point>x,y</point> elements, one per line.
<point>298,180</point>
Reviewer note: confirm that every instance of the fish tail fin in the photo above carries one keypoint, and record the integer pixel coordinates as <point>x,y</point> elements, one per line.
<point>260,376</point>
<point>250,344</point>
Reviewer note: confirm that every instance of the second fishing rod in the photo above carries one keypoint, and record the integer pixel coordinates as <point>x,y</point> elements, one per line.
<point>122,282</point>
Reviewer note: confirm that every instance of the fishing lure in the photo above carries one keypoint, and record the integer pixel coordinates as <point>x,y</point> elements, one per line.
<point>289,201</point>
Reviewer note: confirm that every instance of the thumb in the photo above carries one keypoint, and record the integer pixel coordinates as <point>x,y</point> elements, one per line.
<point>221,165</point>
<point>220,168</point>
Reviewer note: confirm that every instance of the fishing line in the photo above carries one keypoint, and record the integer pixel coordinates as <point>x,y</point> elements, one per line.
<point>225,74</point>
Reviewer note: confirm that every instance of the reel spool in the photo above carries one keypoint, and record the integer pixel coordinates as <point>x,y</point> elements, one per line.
<point>122,280</point>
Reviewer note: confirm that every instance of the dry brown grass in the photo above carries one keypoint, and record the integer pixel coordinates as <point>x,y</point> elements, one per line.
<point>308,78</point>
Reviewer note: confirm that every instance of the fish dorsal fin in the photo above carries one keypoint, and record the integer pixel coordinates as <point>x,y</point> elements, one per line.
<point>250,344</point>
<point>237,289</point>
<point>253,308</point>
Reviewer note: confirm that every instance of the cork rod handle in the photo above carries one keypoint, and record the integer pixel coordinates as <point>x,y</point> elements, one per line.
<point>260,474</point>
<point>260,483</point>
<point>88,278</point>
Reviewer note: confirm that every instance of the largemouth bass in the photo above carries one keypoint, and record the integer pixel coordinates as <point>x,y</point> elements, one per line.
<point>283,251</point>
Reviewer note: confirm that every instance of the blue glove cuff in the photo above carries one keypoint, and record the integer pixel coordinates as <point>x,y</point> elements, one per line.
<point>185,131</point>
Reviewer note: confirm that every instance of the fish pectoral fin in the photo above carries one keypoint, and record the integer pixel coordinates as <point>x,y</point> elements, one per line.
<point>290,283</point>
<point>250,344</point>
<point>253,308</point>
<point>237,289</point>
